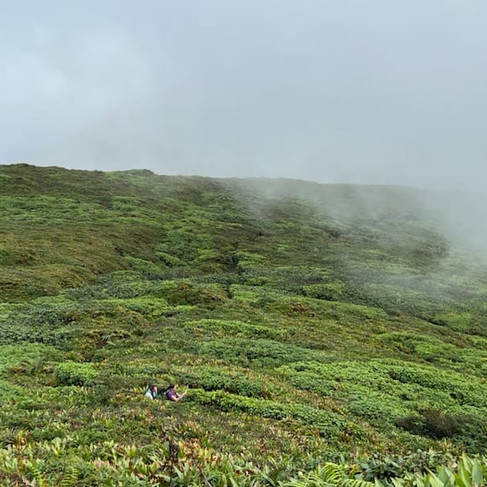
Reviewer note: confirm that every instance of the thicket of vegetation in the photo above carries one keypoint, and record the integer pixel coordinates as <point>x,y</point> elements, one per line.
<point>328,335</point>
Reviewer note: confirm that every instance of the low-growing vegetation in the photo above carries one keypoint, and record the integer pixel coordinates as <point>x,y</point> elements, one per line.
<point>323,342</point>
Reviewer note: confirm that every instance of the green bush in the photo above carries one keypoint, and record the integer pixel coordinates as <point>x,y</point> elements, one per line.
<point>260,351</point>
<point>329,424</point>
<point>75,374</point>
<point>216,378</point>
<point>223,328</point>
<point>184,293</point>
<point>433,423</point>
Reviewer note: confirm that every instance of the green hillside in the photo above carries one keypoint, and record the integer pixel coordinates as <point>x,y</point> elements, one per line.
<point>312,323</point>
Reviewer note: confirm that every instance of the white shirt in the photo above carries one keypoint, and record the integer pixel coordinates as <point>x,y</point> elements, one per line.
<point>149,394</point>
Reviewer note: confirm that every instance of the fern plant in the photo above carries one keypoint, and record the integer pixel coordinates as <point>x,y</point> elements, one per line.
<point>329,475</point>
<point>40,479</point>
<point>70,479</point>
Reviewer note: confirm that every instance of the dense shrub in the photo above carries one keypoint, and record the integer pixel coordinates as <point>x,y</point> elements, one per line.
<point>216,378</point>
<point>329,424</point>
<point>260,351</point>
<point>433,423</point>
<point>209,295</point>
<point>75,374</point>
<point>223,328</point>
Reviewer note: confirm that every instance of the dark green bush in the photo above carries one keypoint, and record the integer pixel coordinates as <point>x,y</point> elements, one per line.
<point>433,423</point>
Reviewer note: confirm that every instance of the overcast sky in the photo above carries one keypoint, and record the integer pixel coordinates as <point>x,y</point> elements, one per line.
<point>367,91</point>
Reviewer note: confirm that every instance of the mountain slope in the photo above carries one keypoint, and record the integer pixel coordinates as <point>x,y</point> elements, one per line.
<point>310,321</point>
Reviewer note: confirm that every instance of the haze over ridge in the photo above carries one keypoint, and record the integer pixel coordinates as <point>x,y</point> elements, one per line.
<point>350,92</point>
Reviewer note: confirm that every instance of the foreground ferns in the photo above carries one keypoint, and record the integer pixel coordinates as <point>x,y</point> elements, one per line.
<point>330,474</point>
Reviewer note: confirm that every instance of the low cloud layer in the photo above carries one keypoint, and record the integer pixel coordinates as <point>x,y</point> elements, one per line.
<point>361,92</point>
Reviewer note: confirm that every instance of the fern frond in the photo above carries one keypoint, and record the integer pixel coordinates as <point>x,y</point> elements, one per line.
<point>356,483</point>
<point>71,478</point>
<point>41,480</point>
<point>329,475</point>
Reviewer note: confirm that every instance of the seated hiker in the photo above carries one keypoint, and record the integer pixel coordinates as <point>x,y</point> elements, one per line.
<point>151,392</point>
<point>172,394</point>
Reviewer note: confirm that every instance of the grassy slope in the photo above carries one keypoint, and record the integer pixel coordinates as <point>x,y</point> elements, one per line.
<point>310,321</point>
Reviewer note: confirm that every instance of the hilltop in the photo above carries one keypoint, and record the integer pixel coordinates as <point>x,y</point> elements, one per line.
<point>311,322</point>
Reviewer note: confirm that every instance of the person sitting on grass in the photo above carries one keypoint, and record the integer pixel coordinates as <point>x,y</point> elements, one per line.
<point>151,392</point>
<point>172,395</point>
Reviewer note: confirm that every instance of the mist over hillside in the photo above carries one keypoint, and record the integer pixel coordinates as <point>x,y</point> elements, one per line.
<point>457,215</point>
<point>408,237</point>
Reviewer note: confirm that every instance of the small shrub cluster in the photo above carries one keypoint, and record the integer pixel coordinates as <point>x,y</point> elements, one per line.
<point>329,424</point>
<point>75,374</point>
<point>433,423</point>
<point>215,378</point>
<point>259,351</point>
